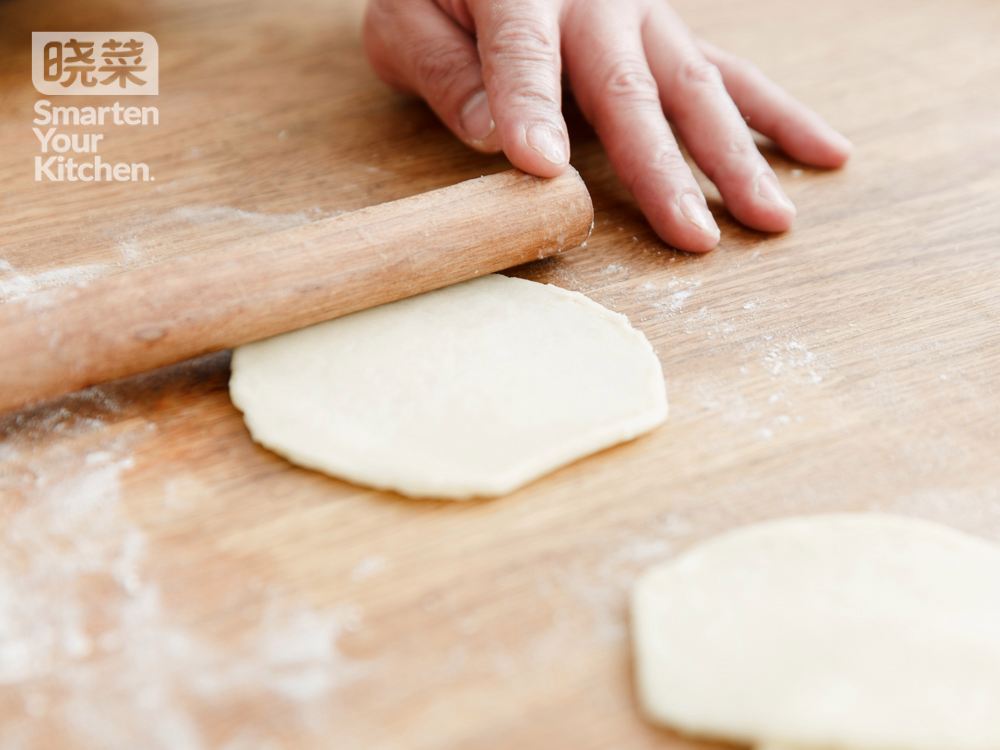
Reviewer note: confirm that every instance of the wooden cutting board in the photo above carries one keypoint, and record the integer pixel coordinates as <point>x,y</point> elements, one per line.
<point>166,583</point>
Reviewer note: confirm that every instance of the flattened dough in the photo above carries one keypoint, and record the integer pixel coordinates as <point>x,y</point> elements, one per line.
<point>471,390</point>
<point>843,632</point>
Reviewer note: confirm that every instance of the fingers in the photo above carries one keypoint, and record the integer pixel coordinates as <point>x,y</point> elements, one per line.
<point>519,49</point>
<point>618,94</point>
<point>772,111</point>
<point>415,46</point>
<point>711,127</point>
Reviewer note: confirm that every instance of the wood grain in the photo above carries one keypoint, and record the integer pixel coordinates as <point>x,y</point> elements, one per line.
<point>186,588</point>
<point>58,341</point>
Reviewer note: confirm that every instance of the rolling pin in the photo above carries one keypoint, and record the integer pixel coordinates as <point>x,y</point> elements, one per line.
<point>61,340</point>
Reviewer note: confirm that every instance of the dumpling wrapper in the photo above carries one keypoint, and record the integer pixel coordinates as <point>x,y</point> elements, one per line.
<point>840,632</point>
<point>471,390</point>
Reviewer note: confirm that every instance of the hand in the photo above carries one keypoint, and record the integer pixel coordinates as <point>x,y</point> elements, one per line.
<point>491,70</point>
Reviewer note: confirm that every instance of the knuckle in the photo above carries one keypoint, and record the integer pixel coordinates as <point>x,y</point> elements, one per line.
<point>523,59</point>
<point>670,164</point>
<point>699,72</point>
<point>521,40</point>
<point>530,93</point>
<point>628,82</point>
<point>666,168</point>
<point>439,67</point>
<point>738,146</point>
<point>738,163</point>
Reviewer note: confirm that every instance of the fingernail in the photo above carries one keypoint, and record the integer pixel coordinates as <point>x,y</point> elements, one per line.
<point>695,211</point>
<point>476,118</point>
<point>547,141</point>
<point>769,189</point>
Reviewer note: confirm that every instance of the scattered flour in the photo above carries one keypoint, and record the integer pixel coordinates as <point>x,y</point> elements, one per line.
<point>137,245</point>
<point>130,251</point>
<point>676,300</point>
<point>140,241</point>
<point>669,296</point>
<point>216,214</point>
<point>791,357</point>
<point>95,646</point>
<point>368,566</point>
<point>739,331</point>
<point>16,285</point>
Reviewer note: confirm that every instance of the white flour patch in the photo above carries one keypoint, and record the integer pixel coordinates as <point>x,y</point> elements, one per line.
<point>142,241</point>
<point>368,566</point>
<point>16,284</point>
<point>670,296</point>
<point>784,362</point>
<point>792,358</point>
<point>130,251</point>
<point>216,214</point>
<point>676,300</point>
<point>97,645</point>
<point>786,368</point>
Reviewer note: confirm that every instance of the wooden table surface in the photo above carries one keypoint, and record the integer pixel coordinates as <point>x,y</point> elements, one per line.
<point>165,583</point>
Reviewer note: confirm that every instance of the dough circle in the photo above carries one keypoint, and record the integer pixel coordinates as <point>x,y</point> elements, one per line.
<point>846,632</point>
<point>470,390</point>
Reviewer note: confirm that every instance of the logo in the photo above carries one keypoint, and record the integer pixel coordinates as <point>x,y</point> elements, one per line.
<point>95,63</point>
<point>71,138</point>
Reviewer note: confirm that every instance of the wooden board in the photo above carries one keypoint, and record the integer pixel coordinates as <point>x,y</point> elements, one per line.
<point>166,583</point>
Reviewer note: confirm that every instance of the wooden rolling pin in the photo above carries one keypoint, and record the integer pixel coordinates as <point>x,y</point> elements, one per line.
<point>61,340</point>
